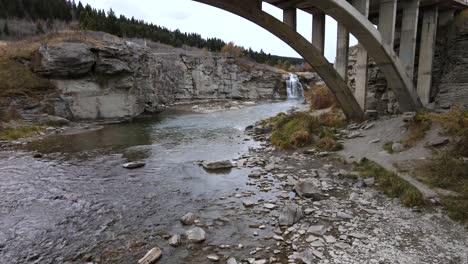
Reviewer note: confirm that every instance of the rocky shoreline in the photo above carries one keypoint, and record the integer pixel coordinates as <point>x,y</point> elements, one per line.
<point>318,214</point>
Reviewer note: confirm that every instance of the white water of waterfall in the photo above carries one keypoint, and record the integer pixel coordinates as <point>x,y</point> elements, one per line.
<point>294,87</point>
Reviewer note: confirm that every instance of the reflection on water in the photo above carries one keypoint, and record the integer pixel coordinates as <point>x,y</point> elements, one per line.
<point>79,200</point>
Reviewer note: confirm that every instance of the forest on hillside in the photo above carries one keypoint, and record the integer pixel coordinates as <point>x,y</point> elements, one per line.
<point>90,18</point>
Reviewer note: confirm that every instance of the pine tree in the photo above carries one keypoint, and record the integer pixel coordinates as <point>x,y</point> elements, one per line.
<point>6,30</point>
<point>39,28</point>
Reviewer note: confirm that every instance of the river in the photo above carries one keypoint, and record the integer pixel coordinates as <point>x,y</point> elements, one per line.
<point>78,204</point>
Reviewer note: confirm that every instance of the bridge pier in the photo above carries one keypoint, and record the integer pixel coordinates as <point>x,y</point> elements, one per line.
<point>290,17</point>
<point>409,30</point>
<point>387,21</point>
<point>318,30</point>
<point>342,51</point>
<point>362,60</point>
<point>426,53</point>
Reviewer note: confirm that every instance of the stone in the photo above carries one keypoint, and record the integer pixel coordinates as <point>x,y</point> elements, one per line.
<point>137,153</point>
<point>290,215</point>
<point>438,142</point>
<point>318,230</point>
<point>307,257</point>
<point>307,189</point>
<point>269,206</point>
<point>56,121</point>
<point>398,147</point>
<point>278,238</point>
<point>343,215</point>
<point>231,260</point>
<point>357,235</point>
<point>330,239</point>
<point>255,175</point>
<point>188,219</point>
<point>342,245</point>
<point>175,240</point>
<point>377,140</point>
<point>369,182</point>
<point>196,235</point>
<point>354,197</point>
<point>151,257</point>
<point>408,116</point>
<point>134,165</point>
<point>217,165</point>
<point>213,257</point>
<point>248,203</point>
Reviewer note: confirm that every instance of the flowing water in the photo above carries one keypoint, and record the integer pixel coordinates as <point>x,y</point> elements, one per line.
<point>294,87</point>
<point>78,203</point>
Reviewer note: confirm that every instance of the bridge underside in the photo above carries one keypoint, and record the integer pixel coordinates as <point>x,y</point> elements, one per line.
<point>357,18</point>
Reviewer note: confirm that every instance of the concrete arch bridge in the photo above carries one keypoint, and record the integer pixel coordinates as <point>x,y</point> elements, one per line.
<point>411,18</point>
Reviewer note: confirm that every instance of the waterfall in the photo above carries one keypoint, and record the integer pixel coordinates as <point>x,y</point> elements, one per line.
<point>294,87</point>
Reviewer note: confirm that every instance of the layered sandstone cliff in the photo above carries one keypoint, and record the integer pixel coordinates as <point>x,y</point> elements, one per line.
<point>122,79</point>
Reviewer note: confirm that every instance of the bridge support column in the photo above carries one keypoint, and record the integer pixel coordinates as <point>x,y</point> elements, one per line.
<point>342,52</point>
<point>318,30</point>
<point>409,29</point>
<point>426,54</point>
<point>387,20</point>
<point>290,17</point>
<point>362,60</point>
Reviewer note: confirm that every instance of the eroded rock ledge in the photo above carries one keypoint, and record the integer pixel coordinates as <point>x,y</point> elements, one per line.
<point>121,79</point>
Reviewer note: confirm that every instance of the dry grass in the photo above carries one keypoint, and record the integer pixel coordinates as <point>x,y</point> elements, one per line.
<point>320,97</point>
<point>20,132</point>
<point>294,130</point>
<point>298,129</point>
<point>329,144</point>
<point>16,77</point>
<point>390,184</point>
<point>447,168</point>
<point>333,118</point>
<point>417,129</point>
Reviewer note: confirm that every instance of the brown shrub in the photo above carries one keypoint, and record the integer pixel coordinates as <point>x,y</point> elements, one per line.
<point>321,98</point>
<point>232,50</point>
<point>329,144</point>
<point>334,118</point>
<point>301,139</point>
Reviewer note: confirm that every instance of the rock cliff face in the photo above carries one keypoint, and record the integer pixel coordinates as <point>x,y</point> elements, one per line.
<point>122,79</point>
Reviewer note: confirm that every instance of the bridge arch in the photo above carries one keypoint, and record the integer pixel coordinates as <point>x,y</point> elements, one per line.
<point>251,10</point>
<point>384,56</point>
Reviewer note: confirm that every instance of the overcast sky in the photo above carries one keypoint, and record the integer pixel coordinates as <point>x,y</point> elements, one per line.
<point>189,16</point>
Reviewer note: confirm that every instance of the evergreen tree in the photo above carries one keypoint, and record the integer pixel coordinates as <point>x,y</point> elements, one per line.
<point>6,30</point>
<point>39,28</point>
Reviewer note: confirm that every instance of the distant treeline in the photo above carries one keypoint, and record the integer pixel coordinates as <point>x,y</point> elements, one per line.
<point>90,18</point>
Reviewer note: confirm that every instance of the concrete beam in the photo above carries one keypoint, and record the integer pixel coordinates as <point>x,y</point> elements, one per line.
<point>387,20</point>
<point>426,54</point>
<point>362,60</point>
<point>342,51</point>
<point>409,30</point>
<point>290,17</point>
<point>318,30</point>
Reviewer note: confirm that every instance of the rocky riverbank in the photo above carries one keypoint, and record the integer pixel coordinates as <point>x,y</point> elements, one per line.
<point>311,207</point>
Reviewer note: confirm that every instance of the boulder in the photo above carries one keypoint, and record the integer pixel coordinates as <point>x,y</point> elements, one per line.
<point>196,235</point>
<point>217,165</point>
<point>56,121</point>
<point>307,189</point>
<point>188,219</point>
<point>137,153</point>
<point>134,165</point>
<point>175,240</point>
<point>290,215</point>
<point>397,147</point>
<point>151,257</point>
<point>65,60</point>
